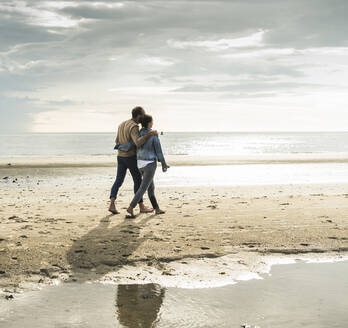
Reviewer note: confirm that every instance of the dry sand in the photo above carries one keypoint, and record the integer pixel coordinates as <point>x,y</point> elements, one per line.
<point>53,228</point>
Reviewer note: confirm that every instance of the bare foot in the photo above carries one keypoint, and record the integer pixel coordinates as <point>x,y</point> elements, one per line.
<point>112,209</point>
<point>144,209</point>
<point>131,213</point>
<point>159,211</point>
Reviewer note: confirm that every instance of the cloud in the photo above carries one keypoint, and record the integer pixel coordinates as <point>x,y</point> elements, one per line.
<point>156,61</point>
<point>14,32</point>
<point>254,88</point>
<point>15,113</point>
<point>69,54</point>
<point>253,40</point>
<point>33,15</point>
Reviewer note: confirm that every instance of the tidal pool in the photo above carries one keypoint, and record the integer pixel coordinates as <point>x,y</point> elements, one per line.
<point>294,295</point>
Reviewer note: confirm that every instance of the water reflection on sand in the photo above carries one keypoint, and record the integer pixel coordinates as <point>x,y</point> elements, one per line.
<point>139,305</point>
<point>295,295</point>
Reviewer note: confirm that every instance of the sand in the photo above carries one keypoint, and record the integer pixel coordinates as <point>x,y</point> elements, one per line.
<point>55,227</point>
<point>175,160</point>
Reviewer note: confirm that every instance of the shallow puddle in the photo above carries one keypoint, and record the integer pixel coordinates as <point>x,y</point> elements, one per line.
<point>295,295</point>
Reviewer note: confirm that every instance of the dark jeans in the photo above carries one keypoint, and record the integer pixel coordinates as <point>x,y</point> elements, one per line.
<point>124,163</point>
<point>148,172</point>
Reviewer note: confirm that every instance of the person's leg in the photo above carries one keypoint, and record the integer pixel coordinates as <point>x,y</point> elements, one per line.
<point>151,194</point>
<point>148,173</point>
<point>121,174</point>
<point>136,175</point>
<point>152,197</point>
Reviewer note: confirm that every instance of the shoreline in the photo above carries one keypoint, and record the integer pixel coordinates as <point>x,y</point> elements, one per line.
<point>174,160</point>
<point>199,273</point>
<point>214,272</point>
<point>205,272</point>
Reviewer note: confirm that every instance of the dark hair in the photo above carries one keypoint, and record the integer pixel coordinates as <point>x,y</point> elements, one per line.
<point>136,111</point>
<point>146,120</point>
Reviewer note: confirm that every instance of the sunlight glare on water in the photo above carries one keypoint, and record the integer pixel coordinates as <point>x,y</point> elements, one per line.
<point>185,143</point>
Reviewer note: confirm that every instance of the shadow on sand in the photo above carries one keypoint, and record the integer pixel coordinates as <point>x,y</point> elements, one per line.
<point>106,248</point>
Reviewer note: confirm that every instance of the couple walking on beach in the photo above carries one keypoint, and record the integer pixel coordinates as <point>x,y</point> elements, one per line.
<point>139,152</point>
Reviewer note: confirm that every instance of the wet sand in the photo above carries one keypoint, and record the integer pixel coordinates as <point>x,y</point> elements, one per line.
<point>55,226</point>
<point>175,160</point>
<point>294,295</point>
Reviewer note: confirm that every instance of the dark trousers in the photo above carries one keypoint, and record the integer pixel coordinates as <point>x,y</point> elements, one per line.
<point>124,163</point>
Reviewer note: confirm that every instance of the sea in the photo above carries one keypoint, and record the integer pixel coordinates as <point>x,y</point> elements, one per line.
<point>261,146</point>
<point>184,143</point>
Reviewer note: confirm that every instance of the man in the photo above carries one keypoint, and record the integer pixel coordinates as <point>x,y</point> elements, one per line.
<point>126,159</point>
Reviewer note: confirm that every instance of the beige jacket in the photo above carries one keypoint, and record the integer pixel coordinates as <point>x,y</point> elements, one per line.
<point>127,131</point>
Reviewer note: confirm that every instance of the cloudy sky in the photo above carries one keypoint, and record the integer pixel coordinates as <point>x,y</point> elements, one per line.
<point>238,65</point>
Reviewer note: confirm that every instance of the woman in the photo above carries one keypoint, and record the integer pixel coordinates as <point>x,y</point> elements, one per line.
<point>147,157</point>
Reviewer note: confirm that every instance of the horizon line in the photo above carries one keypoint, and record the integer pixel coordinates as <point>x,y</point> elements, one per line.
<point>242,131</point>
